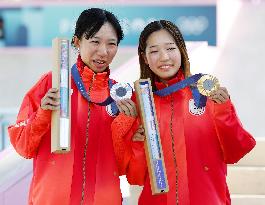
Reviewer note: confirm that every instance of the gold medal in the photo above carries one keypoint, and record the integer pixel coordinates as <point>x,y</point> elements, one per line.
<point>207,84</point>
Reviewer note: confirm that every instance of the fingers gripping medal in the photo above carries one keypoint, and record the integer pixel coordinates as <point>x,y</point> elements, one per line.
<point>118,91</point>
<point>121,91</point>
<point>207,84</point>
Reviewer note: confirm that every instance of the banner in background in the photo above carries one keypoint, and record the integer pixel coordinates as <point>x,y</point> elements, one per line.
<point>37,26</point>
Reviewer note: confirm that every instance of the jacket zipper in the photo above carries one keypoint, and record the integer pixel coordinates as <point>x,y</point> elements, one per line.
<point>86,144</point>
<point>173,145</point>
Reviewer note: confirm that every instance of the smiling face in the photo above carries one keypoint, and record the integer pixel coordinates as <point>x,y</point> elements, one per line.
<point>162,54</point>
<point>98,51</point>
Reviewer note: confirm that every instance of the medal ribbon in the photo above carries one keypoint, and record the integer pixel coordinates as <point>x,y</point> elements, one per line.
<point>199,99</point>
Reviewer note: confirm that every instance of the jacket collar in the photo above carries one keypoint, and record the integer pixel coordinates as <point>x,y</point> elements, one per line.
<point>179,77</point>
<point>99,80</point>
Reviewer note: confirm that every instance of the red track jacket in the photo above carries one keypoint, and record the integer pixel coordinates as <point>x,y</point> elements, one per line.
<point>205,140</point>
<point>57,178</point>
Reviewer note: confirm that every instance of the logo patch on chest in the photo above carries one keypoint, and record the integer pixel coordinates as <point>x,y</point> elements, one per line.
<point>194,110</point>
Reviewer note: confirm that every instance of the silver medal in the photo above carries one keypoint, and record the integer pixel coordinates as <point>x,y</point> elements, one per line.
<point>121,91</point>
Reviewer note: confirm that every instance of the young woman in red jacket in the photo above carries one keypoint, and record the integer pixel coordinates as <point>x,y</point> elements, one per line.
<point>88,174</point>
<point>197,143</point>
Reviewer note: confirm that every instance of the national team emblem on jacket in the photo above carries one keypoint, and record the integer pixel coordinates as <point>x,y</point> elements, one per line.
<point>194,110</point>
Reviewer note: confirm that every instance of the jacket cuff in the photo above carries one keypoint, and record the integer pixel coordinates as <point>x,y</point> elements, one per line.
<point>43,116</point>
<point>122,124</point>
<point>126,118</point>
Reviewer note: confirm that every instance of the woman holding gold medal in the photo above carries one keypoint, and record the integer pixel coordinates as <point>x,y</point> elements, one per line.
<point>199,138</point>
<point>88,174</point>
